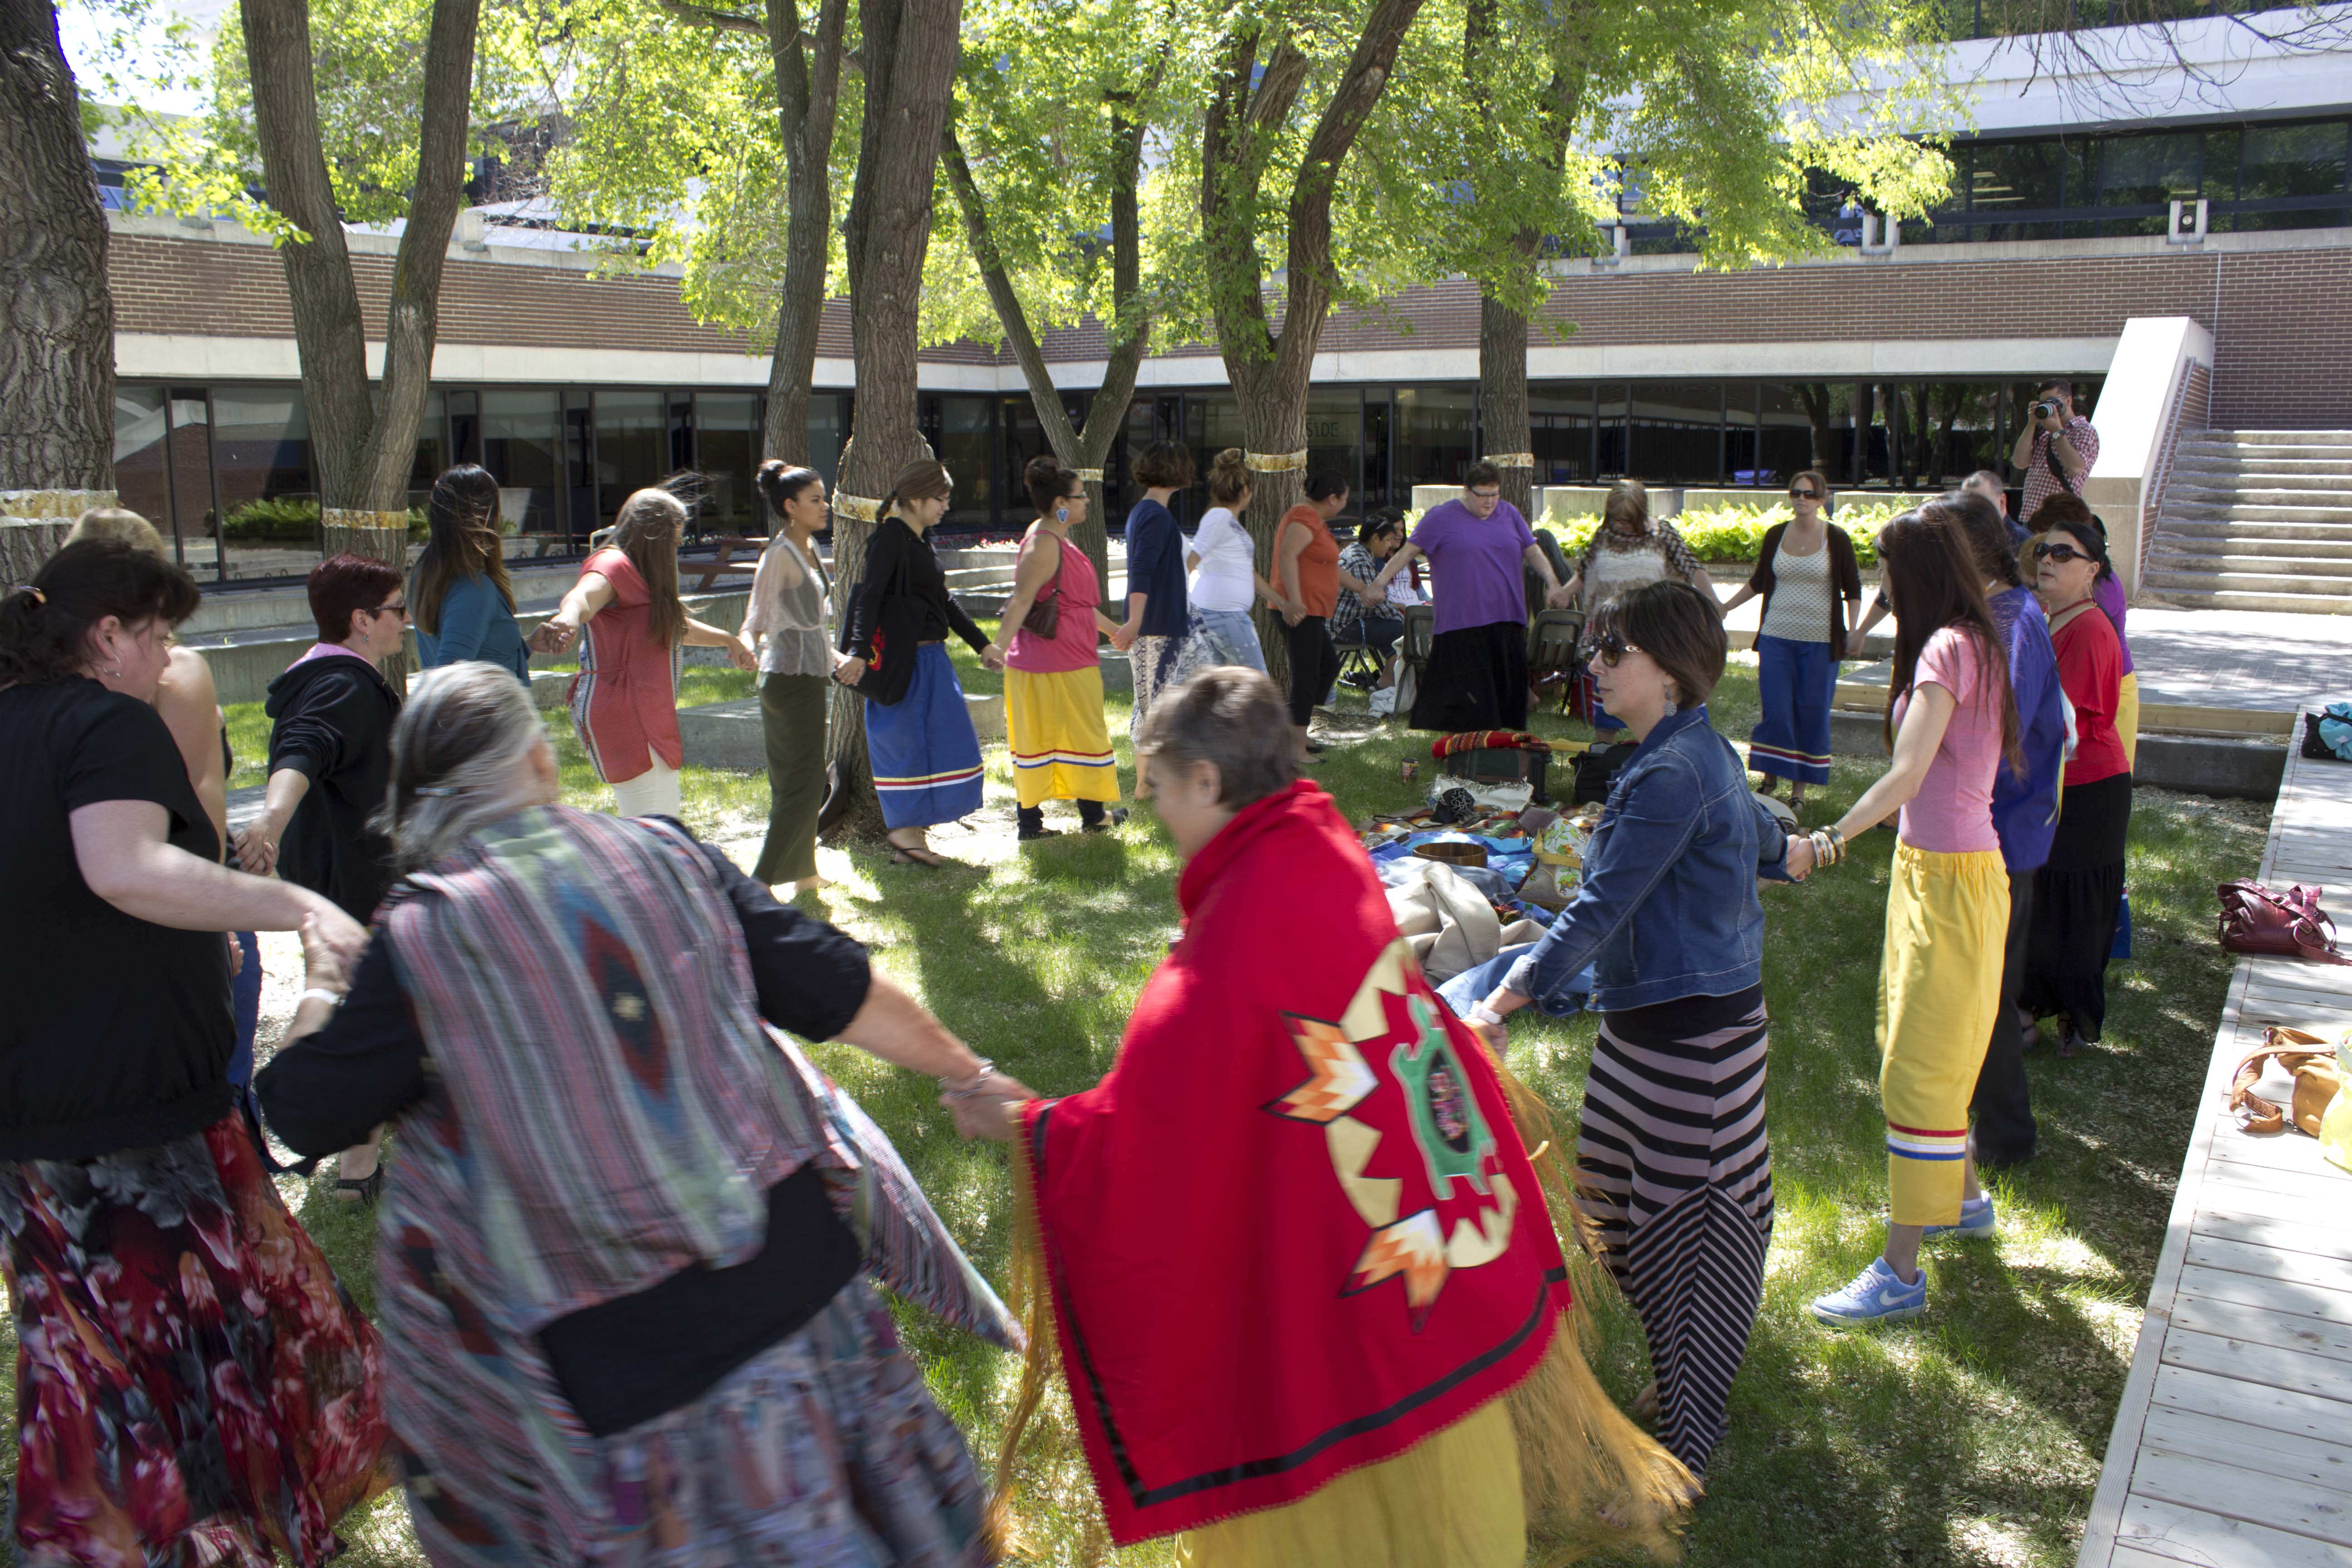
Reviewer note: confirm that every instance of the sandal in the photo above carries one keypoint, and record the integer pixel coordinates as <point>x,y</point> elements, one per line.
<point>362,1189</point>
<point>902,856</point>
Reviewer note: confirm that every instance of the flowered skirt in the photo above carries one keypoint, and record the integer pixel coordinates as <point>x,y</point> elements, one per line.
<point>193,1384</point>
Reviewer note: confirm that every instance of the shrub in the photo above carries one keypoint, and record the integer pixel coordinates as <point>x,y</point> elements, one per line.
<point>290,520</point>
<point>1736,534</point>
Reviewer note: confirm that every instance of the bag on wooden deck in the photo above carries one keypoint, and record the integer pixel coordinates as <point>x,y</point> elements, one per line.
<point>2316,1083</point>
<point>2266,923</point>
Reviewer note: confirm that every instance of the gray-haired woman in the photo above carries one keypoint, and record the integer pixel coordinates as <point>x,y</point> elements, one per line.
<point>622,1305</point>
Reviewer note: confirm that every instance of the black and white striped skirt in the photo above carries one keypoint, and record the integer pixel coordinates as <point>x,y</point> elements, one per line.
<point>1674,1170</point>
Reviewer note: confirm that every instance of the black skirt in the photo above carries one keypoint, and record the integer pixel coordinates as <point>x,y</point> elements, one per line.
<point>2077,898</point>
<point>1476,678</point>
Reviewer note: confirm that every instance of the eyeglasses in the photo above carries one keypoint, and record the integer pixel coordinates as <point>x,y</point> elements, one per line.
<point>2058,552</point>
<point>1486,495</point>
<point>400,609</point>
<point>1804,495</point>
<point>1613,647</point>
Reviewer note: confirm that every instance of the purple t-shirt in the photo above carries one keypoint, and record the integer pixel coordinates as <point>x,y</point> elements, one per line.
<point>1478,563</point>
<point>2108,593</point>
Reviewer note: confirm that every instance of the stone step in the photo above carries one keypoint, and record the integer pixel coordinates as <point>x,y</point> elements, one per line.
<point>2173,541</point>
<point>2254,511</point>
<point>2209,491</point>
<point>2241,466</point>
<point>2277,604</point>
<point>2273,437</point>
<point>2225,562</point>
<point>2219,452</point>
<point>2229,479</point>
<point>2233,579</point>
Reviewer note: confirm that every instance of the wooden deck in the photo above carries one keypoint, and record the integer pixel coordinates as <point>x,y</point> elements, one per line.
<point>2233,1444</point>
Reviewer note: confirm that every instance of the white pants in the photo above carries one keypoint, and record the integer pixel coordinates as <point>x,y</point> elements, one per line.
<point>653,793</point>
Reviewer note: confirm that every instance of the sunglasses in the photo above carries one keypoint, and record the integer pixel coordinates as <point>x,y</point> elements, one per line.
<point>1613,647</point>
<point>2058,552</point>
<point>1804,495</point>
<point>400,609</point>
<point>1484,495</point>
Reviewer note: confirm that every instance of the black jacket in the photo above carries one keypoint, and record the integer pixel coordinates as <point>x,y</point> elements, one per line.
<point>332,722</point>
<point>895,548</point>
<point>1845,577</point>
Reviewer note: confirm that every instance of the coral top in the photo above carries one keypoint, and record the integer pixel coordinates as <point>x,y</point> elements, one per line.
<point>1319,563</point>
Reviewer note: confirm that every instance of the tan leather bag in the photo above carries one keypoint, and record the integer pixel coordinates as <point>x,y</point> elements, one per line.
<point>2316,1084</point>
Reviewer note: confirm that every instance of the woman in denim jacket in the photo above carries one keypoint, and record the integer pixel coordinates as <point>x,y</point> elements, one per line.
<point>1671,1164</point>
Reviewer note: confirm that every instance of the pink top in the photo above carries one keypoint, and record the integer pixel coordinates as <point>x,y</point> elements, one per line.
<point>625,699</point>
<point>1073,644</point>
<point>1952,813</point>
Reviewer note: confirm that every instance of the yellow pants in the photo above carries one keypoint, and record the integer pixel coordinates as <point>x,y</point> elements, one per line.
<point>1939,989</point>
<point>1450,1501</point>
<point>2127,718</point>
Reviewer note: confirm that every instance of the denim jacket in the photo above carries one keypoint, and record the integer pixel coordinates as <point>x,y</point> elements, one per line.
<point>1667,908</point>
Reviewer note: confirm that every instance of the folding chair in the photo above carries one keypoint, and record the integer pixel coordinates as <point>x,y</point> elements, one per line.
<point>1358,665</point>
<point>1553,659</point>
<point>1420,628</point>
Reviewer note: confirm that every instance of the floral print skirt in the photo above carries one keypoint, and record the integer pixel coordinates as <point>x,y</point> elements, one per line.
<point>193,1384</point>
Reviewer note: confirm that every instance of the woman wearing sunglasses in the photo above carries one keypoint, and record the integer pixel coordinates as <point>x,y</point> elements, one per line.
<point>2078,892</point>
<point>1951,722</point>
<point>1811,583</point>
<point>1672,1161</point>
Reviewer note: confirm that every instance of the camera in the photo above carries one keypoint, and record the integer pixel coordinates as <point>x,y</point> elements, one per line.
<point>2048,408</point>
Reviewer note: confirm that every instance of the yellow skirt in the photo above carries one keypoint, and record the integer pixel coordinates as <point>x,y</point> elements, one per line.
<point>2127,718</point>
<point>1452,1500</point>
<point>1061,744</point>
<point>1939,989</point>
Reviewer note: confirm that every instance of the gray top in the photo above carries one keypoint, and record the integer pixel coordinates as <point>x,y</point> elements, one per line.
<point>795,620</point>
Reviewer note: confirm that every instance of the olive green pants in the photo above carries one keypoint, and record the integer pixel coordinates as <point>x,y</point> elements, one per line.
<point>791,715</point>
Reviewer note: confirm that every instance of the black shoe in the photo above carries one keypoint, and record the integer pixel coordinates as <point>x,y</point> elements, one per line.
<point>1031,835</point>
<point>1105,824</point>
<point>365,1189</point>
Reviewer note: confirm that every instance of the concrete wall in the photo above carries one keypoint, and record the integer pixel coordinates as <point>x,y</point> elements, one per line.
<point>2154,367</point>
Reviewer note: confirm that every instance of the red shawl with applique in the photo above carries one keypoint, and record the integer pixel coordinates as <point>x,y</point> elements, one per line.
<point>1294,1231</point>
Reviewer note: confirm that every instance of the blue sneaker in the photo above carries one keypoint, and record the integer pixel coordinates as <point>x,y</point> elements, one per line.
<point>1876,1295</point>
<point>1977,1218</point>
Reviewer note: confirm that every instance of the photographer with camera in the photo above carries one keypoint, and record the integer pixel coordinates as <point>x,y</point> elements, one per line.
<point>2056,449</point>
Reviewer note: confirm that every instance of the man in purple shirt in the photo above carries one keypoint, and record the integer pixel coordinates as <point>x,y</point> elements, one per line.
<point>1476,678</point>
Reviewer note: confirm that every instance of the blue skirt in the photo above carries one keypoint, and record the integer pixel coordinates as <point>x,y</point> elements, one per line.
<point>926,757</point>
<point>1796,681</point>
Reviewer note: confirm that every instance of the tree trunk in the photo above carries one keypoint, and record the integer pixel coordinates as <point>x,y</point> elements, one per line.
<point>57,352</point>
<point>362,455</point>
<point>808,96</point>
<point>1503,425</point>
<point>1268,370</point>
<point>911,47</point>
<point>1815,396</point>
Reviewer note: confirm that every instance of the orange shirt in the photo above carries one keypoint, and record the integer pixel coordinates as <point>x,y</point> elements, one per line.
<point>1319,563</point>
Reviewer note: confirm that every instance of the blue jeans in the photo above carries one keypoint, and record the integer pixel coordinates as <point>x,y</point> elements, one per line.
<point>1232,638</point>
<point>245,990</point>
<point>1474,985</point>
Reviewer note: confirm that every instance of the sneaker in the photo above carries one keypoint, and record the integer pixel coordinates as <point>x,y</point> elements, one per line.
<point>1976,1219</point>
<point>1876,1295</point>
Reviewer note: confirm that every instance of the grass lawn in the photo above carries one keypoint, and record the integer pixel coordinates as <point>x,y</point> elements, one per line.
<point>1971,1436</point>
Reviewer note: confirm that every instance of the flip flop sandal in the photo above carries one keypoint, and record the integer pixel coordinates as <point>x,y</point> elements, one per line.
<point>901,856</point>
<point>363,1189</point>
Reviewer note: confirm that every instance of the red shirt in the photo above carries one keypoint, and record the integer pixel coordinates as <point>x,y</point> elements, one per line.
<point>2091,669</point>
<point>625,699</point>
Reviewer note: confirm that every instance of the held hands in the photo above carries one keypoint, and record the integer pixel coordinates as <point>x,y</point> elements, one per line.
<point>552,637</point>
<point>1122,638</point>
<point>988,1106</point>
<point>740,654</point>
<point>1293,612</point>
<point>256,845</point>
<point>331,944</point>
<point>1799,863</point>
<point>991,658</point>
<point>850,671</point>
<point>1560,598</point>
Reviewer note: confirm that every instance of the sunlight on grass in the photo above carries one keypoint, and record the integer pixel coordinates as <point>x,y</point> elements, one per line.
<point>1971,1436</point>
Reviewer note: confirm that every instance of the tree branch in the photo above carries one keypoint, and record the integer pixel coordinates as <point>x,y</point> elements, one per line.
<point>725,21</point>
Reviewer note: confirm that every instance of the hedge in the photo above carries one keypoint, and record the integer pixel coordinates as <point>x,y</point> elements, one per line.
<point>1736,534</point>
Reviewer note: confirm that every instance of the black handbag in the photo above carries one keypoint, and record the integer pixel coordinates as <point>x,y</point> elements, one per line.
<point>1044,616</point>
<point>1596,770</point>
<point>898,639</point>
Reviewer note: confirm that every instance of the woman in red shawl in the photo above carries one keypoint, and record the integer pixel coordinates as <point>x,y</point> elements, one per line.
<point>1304,1282</point>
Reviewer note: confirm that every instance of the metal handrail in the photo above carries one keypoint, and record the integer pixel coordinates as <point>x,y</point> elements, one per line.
<point>2163,476</point>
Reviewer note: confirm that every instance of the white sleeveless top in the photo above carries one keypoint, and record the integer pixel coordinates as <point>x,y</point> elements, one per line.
<point>1802,599</point>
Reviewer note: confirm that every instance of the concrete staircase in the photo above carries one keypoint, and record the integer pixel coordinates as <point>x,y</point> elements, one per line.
<point>2256,520</point>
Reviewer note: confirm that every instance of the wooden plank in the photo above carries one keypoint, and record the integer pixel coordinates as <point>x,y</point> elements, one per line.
<point>2276,1151</point>
<point>2290,1194</point>
<point>2210,1396</point>
<point>2252,1496</point>
<point>2178,1534</point>
<point>2298,1334</point>
<point>2268,1262</point>
<point>2325,1467</point>
<point>2267,1364</point>
<point>2237,1225</point>
<point>2295,1295</point>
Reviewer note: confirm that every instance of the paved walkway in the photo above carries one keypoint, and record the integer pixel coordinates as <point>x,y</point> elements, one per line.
<point>2246,659</point>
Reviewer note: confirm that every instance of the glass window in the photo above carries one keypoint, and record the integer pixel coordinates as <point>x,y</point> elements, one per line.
<point>1678,434</point>
<point>520,432</point>
<point>1335,439</point>
<point>2291,169</point>
<point>261,459</point>
<point>1740,433</point>
<point>1608,432</point>
<point>2020,177</point>
<point>2150,171</point>
<point>1378,490</point>
<point>432,450</point>
<point>141,454</point>
<point>465,428</point>
<point>1024,438</point>
<point>1211,425</point>
<point>1560,432</point>
<point>579,474</point>
<point>966,445</point>
<point>1798,427</point>
<point>727,443</point>
<point>1435,438</point>
<point>631,442</point>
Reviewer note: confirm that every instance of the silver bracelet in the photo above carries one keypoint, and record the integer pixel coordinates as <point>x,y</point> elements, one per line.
<point>977,1082</point>
<point>331,998</point>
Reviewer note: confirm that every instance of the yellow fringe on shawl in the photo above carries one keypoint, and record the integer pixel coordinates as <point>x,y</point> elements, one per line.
<point>1589,1479</point>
